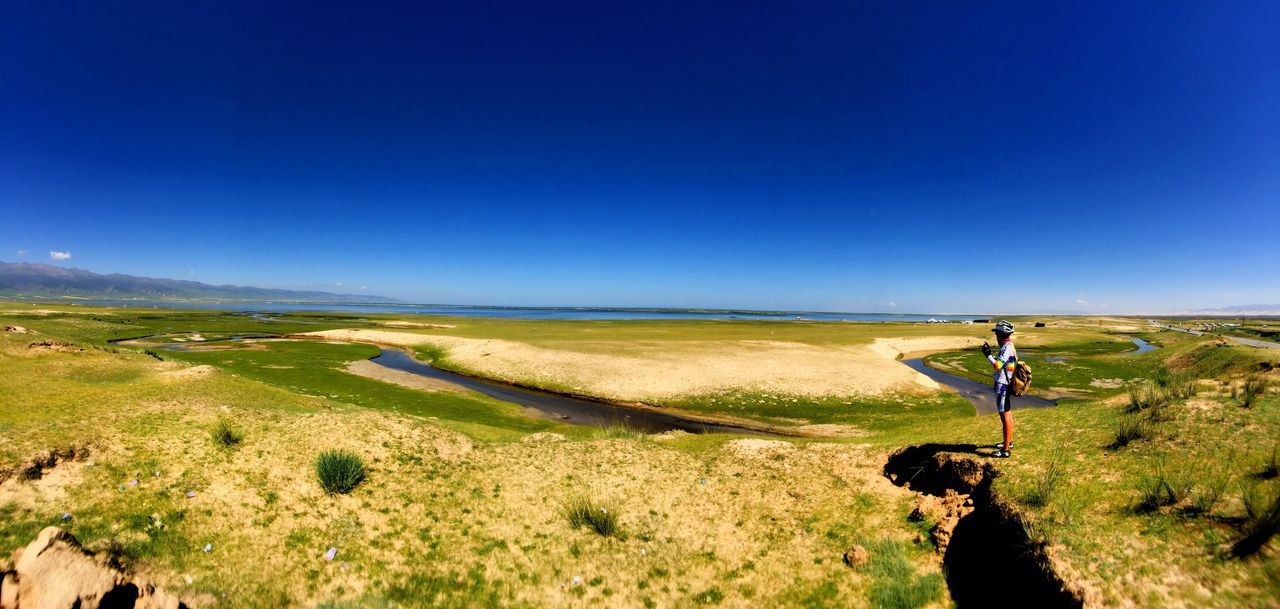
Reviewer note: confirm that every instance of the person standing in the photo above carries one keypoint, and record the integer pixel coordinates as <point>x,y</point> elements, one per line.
<point>1005,361</point>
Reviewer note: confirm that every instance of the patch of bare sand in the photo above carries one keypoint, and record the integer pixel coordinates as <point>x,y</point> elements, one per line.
<point>48,312</point>
<point>893,347</point>
<point>756,446</point>
<point>371,370</point>
<point>830,430</point>
<point>543,436</point>
<point>697,367</point>
<point>414,324</point>
<point>189,373</point>
<point>49,489</point>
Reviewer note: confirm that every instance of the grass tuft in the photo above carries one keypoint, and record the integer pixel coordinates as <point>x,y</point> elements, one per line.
<point>599,517</point>
<point>339,471</point>
<point>1161,490</point>
<point>1049,482</point>
<point>1129,430</point>
<point>1255,386</point>
<point>224,433</point>
<point>1271,467</point>
<point>618,431</point>
<point>1176,385</point>
<point>1147,396</point>
<point>1213,486</point>
<point>895,584</point>
<point>1261,522</point>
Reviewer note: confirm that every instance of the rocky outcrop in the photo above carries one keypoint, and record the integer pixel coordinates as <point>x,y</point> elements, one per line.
<point>55,572</point>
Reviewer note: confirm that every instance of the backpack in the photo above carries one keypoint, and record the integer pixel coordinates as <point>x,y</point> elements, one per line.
<point>1021,378</point>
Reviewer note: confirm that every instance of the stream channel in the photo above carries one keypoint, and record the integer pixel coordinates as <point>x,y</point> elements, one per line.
<point>982,396</point>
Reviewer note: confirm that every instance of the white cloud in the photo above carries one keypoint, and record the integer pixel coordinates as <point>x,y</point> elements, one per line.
<point>339,284</point>
<point>363,287</point>
<point>1082,301</point>
<point>56,255</point>
<point>893,305</point>
<point>22,253</point>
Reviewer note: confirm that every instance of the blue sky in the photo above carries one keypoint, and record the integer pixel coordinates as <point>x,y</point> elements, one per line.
<point>932,156</point>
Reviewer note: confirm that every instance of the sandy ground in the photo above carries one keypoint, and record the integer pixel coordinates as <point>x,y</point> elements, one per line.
<point>371,370</point>
<point>698,367</point>
<point>414,324</point>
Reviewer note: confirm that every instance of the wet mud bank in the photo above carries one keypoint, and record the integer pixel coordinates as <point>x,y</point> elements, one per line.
<point>988,558</point>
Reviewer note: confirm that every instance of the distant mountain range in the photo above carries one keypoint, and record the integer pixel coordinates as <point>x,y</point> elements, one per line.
<point>44,280</point>
<point>1238,311</point>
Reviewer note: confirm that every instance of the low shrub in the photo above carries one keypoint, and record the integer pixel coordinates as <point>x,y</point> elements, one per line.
<point>339,471</point>
<point>585,512</point>
<point>224,433</point>
<point>153,354</point>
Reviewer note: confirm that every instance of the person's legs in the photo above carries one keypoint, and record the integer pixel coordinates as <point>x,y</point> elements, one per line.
<point>1003,396</point>
<point>1006,418</point>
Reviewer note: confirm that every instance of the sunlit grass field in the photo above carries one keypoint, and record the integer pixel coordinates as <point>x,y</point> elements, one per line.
<point>467,502</point>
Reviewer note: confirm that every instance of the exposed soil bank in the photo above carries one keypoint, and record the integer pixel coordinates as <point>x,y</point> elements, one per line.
<point>988,558</point>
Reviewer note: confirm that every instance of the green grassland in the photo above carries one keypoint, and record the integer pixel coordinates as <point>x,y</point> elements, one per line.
<point>465,500</point>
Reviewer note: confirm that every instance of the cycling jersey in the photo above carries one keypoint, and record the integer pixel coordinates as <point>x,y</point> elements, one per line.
<point>1004,362</point>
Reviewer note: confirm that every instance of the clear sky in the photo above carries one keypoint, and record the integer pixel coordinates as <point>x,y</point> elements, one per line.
<point>888,156</point>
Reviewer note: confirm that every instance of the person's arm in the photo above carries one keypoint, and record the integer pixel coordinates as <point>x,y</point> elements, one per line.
<point>1004,362</point>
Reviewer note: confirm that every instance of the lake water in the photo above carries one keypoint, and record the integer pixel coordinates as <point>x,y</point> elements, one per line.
<point>602,313</point>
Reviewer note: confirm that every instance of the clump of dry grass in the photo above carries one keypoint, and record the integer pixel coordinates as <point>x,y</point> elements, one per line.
<point>225,433</point>
<point>1255,386</point>
<point>583,511</point>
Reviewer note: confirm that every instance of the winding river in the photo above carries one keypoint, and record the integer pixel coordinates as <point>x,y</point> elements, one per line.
<point>981,394</point>
<point>535,403</point>
<point>576,410</point>
<point>555,406</point>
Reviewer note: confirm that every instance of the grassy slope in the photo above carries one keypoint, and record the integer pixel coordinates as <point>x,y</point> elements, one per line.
<point>472,525</point>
